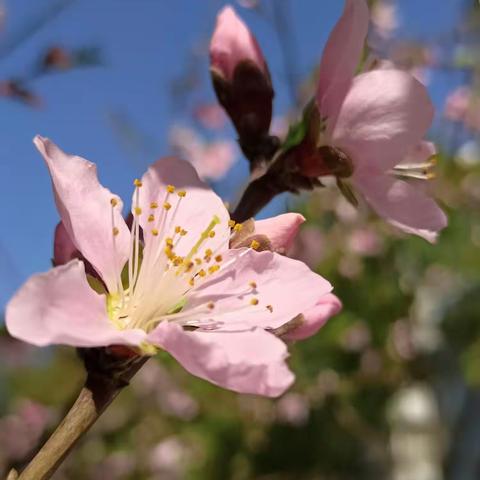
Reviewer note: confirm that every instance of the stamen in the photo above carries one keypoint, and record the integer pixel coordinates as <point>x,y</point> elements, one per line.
<point>151,218</point>
<point>231,223</point>
<point>254,301</point>
<point>213,269</point>
<point>253,284</point>
<point>270,308</point>
<point>170,189</point>
<point>254,244</point>
<point>137,183</point>
<point>154,205</point>
<point>181,193</point>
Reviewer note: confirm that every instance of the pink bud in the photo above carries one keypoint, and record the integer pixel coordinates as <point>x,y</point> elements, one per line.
<point>232,42</point>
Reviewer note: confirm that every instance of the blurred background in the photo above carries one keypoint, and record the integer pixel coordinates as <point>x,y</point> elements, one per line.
<point>388,389</point>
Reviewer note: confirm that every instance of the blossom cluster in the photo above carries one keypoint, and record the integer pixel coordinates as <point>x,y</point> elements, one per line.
<point>180,273</point>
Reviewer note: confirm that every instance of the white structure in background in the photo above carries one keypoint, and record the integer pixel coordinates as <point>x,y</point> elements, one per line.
<point>416,439</point>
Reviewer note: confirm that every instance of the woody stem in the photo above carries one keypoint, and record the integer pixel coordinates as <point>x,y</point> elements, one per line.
<point>99,391</point>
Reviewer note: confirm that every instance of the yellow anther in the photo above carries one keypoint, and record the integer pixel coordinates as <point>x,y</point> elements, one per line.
<point>211,234</point>
<point>213,269</point>
<point>254,301</point>
<point>189,265</point>
<point>270,308</point>
<point>181,193</point>
<point>202,273</point>
<point>137,183</point>
<point>115,231</point>
<point>154,205</point>
<point>167,206</point>
<point>231,223</point>
<point>198,261</point>
<point>169,242</point>
<point>253,284</point>
<point>151,218</point>
<point>177,261</point>
<point>208,252</point>
<point>154,232</point>
<point>237,227</point>
<point>113,202</point>
<point>183,232</point>
<point>170,188</point>
<point>178,229</point>
<point>138,211</point>
<point>211,305</point>
<point>218,258</point>
<point>191,282</point>
<point>254,244</point>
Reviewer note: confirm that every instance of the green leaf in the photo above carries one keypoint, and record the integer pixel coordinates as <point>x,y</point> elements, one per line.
<point>296,134</point>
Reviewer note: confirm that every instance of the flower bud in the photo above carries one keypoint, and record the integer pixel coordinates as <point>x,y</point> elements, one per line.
<point>241,79</point>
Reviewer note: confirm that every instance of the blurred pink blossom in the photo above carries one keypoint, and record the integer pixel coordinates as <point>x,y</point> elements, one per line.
<point>309,246</point>
<point>365,242</point>
<point>210,115</point>
<point>21,430</point>
<point>457,103</point>
<point>294,409</point>
<point>168,458</point>
<point>212,160</point>
<point>385,18</point>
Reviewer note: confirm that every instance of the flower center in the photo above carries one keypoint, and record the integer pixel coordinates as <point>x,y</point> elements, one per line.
<point>155,281</point>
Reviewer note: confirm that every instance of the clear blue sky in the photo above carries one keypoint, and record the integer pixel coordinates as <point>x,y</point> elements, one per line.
<point>145,44</point>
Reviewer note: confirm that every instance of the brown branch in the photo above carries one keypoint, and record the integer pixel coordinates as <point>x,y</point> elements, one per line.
<point>101,388</point>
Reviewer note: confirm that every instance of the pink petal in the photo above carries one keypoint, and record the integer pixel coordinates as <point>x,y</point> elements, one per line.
<point>63,248</point>
<point>196,209</point>
<point>287,285</point>
<point>250,361</point>
<point>59,307</point>
<point>385,114</point>
<point>316,317</point>
<point>233,42</point>
<point>86,212</point>
<point>403,205</point>
<point>340,59</point>
<point>420,153</point>
<point>281,230</point>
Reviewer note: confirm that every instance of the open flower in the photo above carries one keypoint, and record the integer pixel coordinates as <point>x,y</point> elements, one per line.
<point>369,124</point>
<point>170,281</point>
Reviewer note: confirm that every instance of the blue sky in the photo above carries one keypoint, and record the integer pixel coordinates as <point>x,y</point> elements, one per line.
<point>145,45</point>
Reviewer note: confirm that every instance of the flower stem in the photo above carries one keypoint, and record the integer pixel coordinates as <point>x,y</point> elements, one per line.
<point>99,391</point>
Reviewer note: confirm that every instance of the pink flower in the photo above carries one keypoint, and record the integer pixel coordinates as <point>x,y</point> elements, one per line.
<point>211,160</point>
<point>373,121</point>
<point>169,282</point>
<point>233,43</point>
